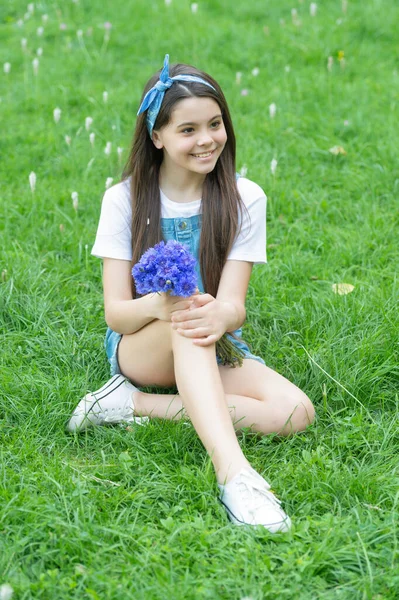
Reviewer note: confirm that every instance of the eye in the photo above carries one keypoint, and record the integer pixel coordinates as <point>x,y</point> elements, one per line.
<point>188,130</point>
<point>215,124</point>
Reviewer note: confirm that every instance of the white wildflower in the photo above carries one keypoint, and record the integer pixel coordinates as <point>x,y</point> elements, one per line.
<point>108,148</point>
<point>6,591</point>
<point>287,68</point>
<point>273,166</point>
<point>105,97</point>
<point>88,123</point>
<point>342,288</point>
<point>346,123</point>
<point>120,152</point>
<point>238,77</point>
<point>295,18</point>
<point>40,31</point>
<point>330,62</point>
<point>168,2</point>
<point>7,68</point>
<point>79,33</point>
<point>35,65</point>
<point>57,114</point>
<point>92,137</point>
<point>243,171</point>
<point>337,150</point>
<point>32,181</point>
<point>39,52</point>
<point>272,110</point>
<point>244,92</point>
<point>108,182</point>
<point>31,8</point>
<point>255,72</point>
<point>68,140</point>
<point>20,22</point>
<point>24,43</point>
<point>313,9</point>
<point>344,6</point>
<point>75,201</point>
<point>194,8</point>
<point>44,18</point>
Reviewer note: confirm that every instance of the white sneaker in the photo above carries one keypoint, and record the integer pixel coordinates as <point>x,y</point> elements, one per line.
<point>113,403</point>
<point>249,501</point>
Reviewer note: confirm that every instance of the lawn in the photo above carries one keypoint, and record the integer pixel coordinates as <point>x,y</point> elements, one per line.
<point>132,513</point>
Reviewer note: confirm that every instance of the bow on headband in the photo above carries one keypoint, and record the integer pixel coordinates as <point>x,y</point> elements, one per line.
<point>153,99</point>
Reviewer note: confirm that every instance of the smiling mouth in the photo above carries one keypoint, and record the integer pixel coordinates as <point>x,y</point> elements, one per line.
<point>204,154</point>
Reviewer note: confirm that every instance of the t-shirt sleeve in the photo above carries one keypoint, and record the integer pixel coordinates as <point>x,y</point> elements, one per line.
<point>114,238</point>
<point>250,244</point>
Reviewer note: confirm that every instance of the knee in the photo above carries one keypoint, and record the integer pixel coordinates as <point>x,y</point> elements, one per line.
<point>301,413</point>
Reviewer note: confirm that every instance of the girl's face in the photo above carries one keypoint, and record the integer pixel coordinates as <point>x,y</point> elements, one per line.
<point>194,138</point>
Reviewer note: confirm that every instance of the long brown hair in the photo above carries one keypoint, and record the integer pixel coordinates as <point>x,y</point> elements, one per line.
<point>221,202</point>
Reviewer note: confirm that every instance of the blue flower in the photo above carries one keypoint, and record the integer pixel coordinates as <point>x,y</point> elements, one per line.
<point>167,267</point>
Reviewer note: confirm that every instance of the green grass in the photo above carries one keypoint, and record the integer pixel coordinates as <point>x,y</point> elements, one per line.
<point>122,513</point>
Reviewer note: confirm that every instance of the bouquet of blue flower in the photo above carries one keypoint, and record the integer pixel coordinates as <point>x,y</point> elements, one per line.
<point>170,267</point>
<point>167,267</point>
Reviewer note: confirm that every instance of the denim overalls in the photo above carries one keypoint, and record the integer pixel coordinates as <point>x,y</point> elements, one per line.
<point>186,231</point>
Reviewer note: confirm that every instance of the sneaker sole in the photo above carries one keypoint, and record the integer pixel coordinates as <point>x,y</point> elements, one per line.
<point>277,527</point>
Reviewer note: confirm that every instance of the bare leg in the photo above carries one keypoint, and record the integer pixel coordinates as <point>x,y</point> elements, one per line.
<point>244,412</point>
<point>163,357</point>
<point>251,396</point>
<point>199,383</point>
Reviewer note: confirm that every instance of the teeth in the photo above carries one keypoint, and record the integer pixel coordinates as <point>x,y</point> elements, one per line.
<point>204,155</point>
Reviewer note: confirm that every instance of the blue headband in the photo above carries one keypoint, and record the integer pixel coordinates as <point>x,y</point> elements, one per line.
<point>153,99</point>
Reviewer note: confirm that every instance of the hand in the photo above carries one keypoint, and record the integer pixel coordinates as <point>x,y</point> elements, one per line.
<point>204,321</point>
<point>164,305</point>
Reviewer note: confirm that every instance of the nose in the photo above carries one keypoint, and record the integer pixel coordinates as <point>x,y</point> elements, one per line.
<point>204,139</point>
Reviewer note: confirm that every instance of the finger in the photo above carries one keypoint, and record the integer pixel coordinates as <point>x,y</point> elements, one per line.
<point>181,306</point>
<point>191,324</point>
<point>206,341</point>
<point>194,333</point>
<point>186,315</point>
<point>202,299</point>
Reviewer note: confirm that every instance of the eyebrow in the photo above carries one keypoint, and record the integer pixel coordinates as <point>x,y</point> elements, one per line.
<point>192,123</point>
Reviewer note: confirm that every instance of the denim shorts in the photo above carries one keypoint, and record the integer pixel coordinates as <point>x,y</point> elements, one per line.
<point>112,340</point>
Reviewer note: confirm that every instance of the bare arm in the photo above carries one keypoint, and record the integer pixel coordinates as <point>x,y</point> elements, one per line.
<point>125,315</point>
<point>232,291</point>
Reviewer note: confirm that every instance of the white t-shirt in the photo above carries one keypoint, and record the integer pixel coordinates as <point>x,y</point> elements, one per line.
<point>114,239</point>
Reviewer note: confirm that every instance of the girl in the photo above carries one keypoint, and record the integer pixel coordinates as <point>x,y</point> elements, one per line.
<point>180,183</point>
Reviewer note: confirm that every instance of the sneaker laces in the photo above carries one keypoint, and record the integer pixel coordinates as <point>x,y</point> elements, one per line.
<point>112,414</point>
<point>256,492</point>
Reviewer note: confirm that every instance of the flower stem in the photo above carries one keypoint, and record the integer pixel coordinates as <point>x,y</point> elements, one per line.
<point>228,353</point>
